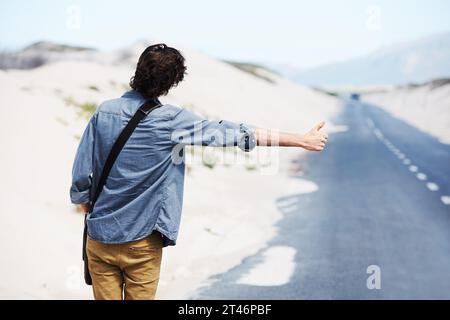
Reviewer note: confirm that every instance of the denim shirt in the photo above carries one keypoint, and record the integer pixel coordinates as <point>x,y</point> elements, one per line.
<point>144,191</point>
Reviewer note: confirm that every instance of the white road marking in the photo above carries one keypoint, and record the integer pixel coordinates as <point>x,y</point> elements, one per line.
<point>421,176</point>
<point>276,269</point>
<point>432,186</point>
<point>392,147</point>
<point>445,200</point>
<point>378,133</point>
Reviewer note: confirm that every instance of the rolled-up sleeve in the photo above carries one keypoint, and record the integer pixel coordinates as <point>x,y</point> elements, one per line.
<point>83,166</point>
<point>190,129</point>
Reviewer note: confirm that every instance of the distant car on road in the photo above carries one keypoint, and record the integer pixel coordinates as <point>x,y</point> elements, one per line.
<point>355,96</point>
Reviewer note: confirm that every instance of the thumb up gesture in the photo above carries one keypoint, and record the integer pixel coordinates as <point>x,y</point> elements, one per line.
<point>315,140</point>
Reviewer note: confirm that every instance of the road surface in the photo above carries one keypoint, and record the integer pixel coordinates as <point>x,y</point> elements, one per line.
<point>381,212</point>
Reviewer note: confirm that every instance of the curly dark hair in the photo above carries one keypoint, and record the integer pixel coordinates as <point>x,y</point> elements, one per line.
<point>158,70</point>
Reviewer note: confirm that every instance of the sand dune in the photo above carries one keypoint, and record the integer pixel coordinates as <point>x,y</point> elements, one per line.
<point>426,107</point>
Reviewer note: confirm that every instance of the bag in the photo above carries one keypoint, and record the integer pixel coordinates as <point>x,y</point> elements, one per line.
<point>118,145</point>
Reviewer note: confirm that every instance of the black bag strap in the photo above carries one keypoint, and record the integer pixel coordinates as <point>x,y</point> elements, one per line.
<point>117,147</point>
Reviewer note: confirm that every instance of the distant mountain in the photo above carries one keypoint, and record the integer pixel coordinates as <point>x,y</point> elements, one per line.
<point>255,69</point>
<point>285,69</point>
<point>410,62</point>
<point>42,52</point>
<point>54,47</point>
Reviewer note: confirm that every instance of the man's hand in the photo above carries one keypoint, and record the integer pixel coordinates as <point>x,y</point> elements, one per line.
<point>315,140</point>
<point>85,207</point>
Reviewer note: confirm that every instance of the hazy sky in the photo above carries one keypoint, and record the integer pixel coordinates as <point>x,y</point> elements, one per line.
<point>301,33</point>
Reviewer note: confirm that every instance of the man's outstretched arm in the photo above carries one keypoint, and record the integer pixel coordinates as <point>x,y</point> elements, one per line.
<point>313,140</point>
<point>190,129</point>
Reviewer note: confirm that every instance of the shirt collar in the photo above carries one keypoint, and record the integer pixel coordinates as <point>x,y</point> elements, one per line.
<point>133,94</point>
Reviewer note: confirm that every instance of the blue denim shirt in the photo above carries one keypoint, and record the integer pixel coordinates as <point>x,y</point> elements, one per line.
<point>144,191</point>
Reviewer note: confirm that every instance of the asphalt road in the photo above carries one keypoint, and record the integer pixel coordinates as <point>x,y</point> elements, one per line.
<point>381,202</point>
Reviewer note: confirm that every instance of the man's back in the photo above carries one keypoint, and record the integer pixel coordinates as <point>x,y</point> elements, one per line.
<point>144,190</point>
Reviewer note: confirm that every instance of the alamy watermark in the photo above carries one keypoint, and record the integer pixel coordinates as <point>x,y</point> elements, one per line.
<point>74,276</point>
<point>374,279</point>
<point>374,18</point>
<point>217,149</point>
<point>73,17</point>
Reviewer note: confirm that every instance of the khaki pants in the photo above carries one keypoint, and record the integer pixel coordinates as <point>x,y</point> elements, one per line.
<point>125,271</point>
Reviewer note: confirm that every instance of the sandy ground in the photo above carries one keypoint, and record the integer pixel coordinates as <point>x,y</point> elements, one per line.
<point>424,107</point>
<point>229,210</point>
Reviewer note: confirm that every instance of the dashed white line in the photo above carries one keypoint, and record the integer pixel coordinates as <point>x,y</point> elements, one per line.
<point>432,186</point>
<point>445,200</point>
<point>421,176</point>
<point>378,133</point>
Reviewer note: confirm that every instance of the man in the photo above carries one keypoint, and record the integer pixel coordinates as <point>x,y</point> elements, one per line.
<point>138,211</point>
